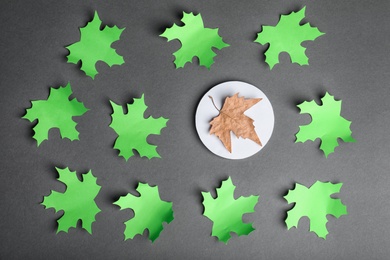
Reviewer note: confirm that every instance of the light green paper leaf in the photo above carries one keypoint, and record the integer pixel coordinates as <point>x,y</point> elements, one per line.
<point>196,41</point>
<point>94,46</point>
<point>315,203</point>
<point>226,212</point>
<point>327,124</point>
<point>287,36</point>
<point>77,202</point>
<point>55,112</point>
<point>149,212</point>
<point>133,129</point>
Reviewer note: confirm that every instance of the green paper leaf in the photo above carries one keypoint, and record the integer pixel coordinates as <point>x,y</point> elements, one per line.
<point>94,46</point>
<point>327,124</point>
<point>287,36</point>
<point>149,212</point>
<point>133,129</point>
<point>77,202</point>
<point>196,41</point>
<point>55,112</point>
<point>226,211</point>
<point>315,203</point>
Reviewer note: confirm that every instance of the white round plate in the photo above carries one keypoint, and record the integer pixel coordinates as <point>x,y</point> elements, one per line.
<point>262,114</point>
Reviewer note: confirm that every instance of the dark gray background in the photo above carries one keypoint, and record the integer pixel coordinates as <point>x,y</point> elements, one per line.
<point>351,61</point>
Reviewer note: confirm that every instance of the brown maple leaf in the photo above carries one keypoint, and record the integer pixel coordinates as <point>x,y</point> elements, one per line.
<point>231,118</point>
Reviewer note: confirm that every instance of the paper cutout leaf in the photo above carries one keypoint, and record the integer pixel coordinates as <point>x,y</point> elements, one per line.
<point>77,202</point>
<point>133,129</point>
<point>327,124</point>
<point>149,212</point>
<point>232,118</point>
<point>55,112</point>
<point>196,41</point>
<point>287,36</point>
<point>315,203</point>
<point>94,46</point>
<point>226,212</point>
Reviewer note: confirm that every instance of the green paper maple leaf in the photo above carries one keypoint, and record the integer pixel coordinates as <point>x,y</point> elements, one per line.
<point>287,36</point>
<point>149,212</point>
<point>315,203</point>
<point>55,112</point>
<point>94,46</point>
<point>77,202</point>
<point>133,129</point>
<point>196,41</point>
<point>226,212</point>
<point>327,124</point>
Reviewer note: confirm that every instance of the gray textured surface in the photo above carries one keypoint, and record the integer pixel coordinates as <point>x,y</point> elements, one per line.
<point>351,61</point>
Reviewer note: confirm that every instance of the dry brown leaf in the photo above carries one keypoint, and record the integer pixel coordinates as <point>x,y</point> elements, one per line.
<point>231,118</point>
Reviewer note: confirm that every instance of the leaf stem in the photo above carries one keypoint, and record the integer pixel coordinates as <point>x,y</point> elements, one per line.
<point>214,103</point>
